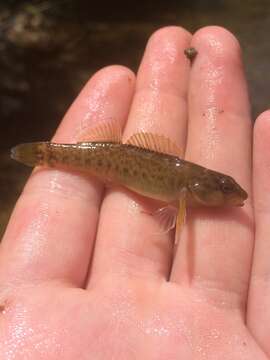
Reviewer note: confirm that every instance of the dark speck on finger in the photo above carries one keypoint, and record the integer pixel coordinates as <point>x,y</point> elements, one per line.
<point>191,53</point>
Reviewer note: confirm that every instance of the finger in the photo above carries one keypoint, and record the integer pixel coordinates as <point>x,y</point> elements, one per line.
<point>52,229</point>
<point>258,312</point>
<point>216,248</point>
<point>129,241</point>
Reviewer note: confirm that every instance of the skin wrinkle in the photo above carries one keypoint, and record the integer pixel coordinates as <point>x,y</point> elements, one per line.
<point>36,229</point>
<point>129,268</point>
<point>218,294</point>
<point>40,231</point>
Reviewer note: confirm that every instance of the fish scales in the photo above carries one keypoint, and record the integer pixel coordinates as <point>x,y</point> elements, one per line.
<point>154,174</point>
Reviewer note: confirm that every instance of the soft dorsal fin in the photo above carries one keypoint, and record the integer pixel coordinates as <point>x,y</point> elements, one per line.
<point>108,131</point>
<point>155,142</point>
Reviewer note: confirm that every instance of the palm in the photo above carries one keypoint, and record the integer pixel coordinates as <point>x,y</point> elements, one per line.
<point>170,323</point>
<point>87,276</point>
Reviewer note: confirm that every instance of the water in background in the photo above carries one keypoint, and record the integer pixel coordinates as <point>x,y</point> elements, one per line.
<point>48,50</point>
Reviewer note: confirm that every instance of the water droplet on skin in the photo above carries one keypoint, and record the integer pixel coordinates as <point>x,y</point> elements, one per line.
<point>214,333</point>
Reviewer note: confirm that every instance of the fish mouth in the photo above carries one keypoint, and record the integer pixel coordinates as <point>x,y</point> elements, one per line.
<point>241,198</point>
<point>240,201</point>
<point>235,202</point>
<point>240,204</point>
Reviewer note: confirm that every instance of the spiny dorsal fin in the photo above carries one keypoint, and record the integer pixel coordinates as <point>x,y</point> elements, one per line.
<point>108,131</point>
<point>155,142</point>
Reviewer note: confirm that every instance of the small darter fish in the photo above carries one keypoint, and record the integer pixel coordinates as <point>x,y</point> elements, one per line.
<point>147,164</point>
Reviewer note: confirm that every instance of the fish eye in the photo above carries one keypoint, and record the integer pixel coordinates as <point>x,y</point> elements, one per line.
<point>226,186</point>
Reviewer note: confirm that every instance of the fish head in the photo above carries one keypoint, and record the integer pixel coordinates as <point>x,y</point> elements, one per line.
<point>216,189</point>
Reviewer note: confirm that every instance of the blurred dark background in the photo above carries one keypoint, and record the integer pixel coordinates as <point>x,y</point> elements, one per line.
<point>48,50</point>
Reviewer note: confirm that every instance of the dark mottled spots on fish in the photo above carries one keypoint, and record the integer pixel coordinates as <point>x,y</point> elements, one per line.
<point>51,159</point>
<point>65,159</point>
<point>171,181</point>
<point>180,183</point>
<point>151,173</point>
<point>88,161</point>
<point>125,171</point>
<point>144,175</point>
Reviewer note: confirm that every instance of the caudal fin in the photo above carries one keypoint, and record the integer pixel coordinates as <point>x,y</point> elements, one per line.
<point>30,154</point>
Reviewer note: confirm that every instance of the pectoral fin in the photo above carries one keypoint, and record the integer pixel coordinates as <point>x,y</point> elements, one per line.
<point>170,217</point>
<point>166,218</point>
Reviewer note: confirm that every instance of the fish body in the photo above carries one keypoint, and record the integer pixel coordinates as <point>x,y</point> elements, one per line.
<point>156,175</point>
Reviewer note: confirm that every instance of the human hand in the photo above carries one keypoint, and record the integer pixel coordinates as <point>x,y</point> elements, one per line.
<point>83,274</point>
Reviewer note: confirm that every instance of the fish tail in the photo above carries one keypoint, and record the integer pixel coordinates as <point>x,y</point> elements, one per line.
<point>30,154</point>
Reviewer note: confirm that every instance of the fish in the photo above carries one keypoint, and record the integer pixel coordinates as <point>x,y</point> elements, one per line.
<point>148,164</point>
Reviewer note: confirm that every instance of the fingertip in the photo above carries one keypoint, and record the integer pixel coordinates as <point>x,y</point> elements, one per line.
<point>166,46</point>
<point>209,33</point>
<point>110,75</point>
<point>262,131</point>
<point>164,66</point>
<point>167,32</point>
<point>219,42</point>
<point>217,75</point>
<point>117,72</point>
<point>262,121</point>
<point>101,95</point>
